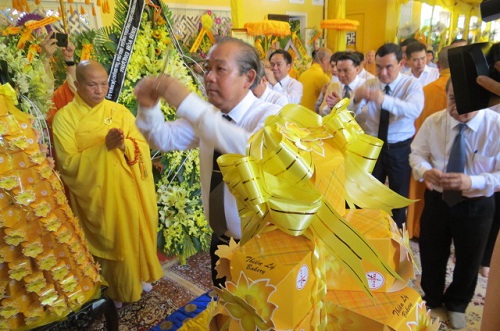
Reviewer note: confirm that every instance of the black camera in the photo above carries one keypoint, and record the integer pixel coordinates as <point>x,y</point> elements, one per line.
<point>62,39</point>
<point>490,10</point>
<point>469,61</point>
<point>466,63</point>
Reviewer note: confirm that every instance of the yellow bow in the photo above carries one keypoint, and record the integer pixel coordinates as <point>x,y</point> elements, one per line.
<point>278,183</point>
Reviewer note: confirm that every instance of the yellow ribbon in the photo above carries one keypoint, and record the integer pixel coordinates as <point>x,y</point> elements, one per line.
<point>273,185</point>
<point>360,152</point>
<point>279,182</point>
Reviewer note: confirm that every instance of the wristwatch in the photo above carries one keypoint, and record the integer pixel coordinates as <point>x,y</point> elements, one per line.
<point>70,63</point>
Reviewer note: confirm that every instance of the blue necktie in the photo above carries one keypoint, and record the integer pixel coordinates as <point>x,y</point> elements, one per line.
<point>347,92</point>
<point>383,126</point>
<point>216,216</point>
<point>456,163</point>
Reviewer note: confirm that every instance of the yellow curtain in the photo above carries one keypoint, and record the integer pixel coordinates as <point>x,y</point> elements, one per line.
<point>237,13</point>
<point>336,39</point>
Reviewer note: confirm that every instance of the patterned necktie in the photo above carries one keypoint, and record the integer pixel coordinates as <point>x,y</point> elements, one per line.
<point>456,163</point>
<point>383,126</point>
<point>216,214</point>
<point>347,92</point>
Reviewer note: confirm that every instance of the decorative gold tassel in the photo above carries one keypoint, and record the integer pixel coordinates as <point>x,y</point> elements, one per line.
<point>98,3</point>
<point>71,10</point>
<point>87,2</point>
<point>70,1</point>
<point>94,13</point>
<point>82,10</point>
<point>37,2</point>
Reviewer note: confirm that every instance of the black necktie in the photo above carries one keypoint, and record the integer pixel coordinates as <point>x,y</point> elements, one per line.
<point>383,126</point>
<point>216,214</point>
<point>347,92</point>
<point>456,163</point>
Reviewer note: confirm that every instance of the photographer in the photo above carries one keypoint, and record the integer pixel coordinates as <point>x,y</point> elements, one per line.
<point>461,176</point>
<point>491,318</point>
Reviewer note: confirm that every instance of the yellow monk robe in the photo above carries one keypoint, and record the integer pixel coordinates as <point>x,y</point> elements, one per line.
<point>435,100</point>
<point>371,68</point>
<point>294,73</point>
<point>115,201</point>
<point>313,80</point>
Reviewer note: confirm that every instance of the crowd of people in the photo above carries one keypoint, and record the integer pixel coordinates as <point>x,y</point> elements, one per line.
<point>397,94</point>
<point>388,103</point>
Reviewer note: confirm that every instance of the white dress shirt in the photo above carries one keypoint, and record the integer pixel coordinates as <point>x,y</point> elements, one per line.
<point>338,87</point>
<point>202,125</point>
<point>291,88</point>
<point>432,145</point>
<point>428,75</point>
<point>274,97</point>
<point>405,70</point>
<point>365,74</point>
<point>404,104</point>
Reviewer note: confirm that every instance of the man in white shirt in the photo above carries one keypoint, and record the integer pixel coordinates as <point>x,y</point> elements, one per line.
<point>390,116</point>
<point>466,220</point>
<point>430,58</point>
<point>417,58</point>
<point>348,67</point>
<point>405,66</point>
<point>224,125</point>
<point>281,63</point>
<point>363,73</point>
<point>265,93</point>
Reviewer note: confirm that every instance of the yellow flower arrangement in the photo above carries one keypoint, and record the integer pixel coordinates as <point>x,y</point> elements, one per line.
<point>183,229</point>
<point>28,75</point>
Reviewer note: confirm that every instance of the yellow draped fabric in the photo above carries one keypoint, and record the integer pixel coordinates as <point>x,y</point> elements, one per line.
<point>236,13</point>
<point>115,201</point>
<point>336,38</point>
<point>268,28</point>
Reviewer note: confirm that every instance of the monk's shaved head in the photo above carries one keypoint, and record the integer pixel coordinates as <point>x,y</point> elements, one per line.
<point>91,82</point>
